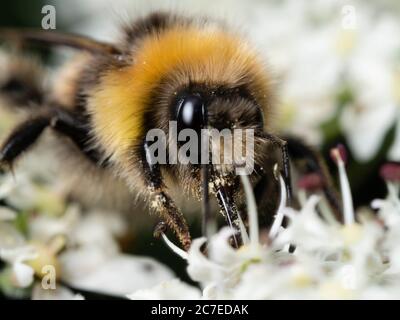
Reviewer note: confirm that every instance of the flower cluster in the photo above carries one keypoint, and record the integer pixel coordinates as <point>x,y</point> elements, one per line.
<point>314,257</point>
<point>48,247</point>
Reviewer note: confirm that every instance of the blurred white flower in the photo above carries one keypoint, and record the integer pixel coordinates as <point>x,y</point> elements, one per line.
<point>7,214</point>
<point>9,236</point>
<point>117,274</point>
<point>44,227</point>
<point>389,212</point>
<point>14,251</point>
<point>24,194</point>
<point>91,259</point>
<point>373,76</point>
<point>22,274</point>
<point>306,226</point>
<point>310,86</point>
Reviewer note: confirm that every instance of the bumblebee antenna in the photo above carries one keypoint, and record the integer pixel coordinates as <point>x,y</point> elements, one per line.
<point>59,39</point>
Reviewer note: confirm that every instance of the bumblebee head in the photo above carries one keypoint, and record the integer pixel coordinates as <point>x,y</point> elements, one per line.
<point>215,113</point>
<point>215,125</point>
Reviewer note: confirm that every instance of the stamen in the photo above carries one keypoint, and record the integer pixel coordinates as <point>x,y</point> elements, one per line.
<point>339,153</point>
<point>280,214</point>
<point>390,172</point>
<point>243,231</point>
<point>252,211</point>
<point>159,231</point>
<point>339,156</point>
<point>183,254</point>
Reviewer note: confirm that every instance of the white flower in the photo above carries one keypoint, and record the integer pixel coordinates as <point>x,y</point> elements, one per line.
<point>7,214</point>
<point>9,236</point>
<point>23,193</point>
<point>389,208</point>
<point>92,260</point>
<point>22,274</point>
<point>14,251</point>
<point>117,275</point>
<point>373,77</point>
<point>44,227</point>
<point>310,87</point>
<point>306,226</point>
<point>200,268</point>
<point>282,279</point>
<point>221,271</point>
<point>98,229</point>
<point>389,212</point>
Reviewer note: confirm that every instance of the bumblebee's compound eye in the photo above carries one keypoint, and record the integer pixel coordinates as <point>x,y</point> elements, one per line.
<point>191,113</point>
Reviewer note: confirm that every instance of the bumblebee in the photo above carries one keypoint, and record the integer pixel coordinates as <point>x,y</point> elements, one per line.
<point>165,68</point>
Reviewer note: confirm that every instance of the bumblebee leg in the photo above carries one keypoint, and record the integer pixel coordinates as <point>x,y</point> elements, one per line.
<point>312,162</point>
<point>77,131</point>
<point>24,136</point>
<point>21,139</point>
<point>162,202</point>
